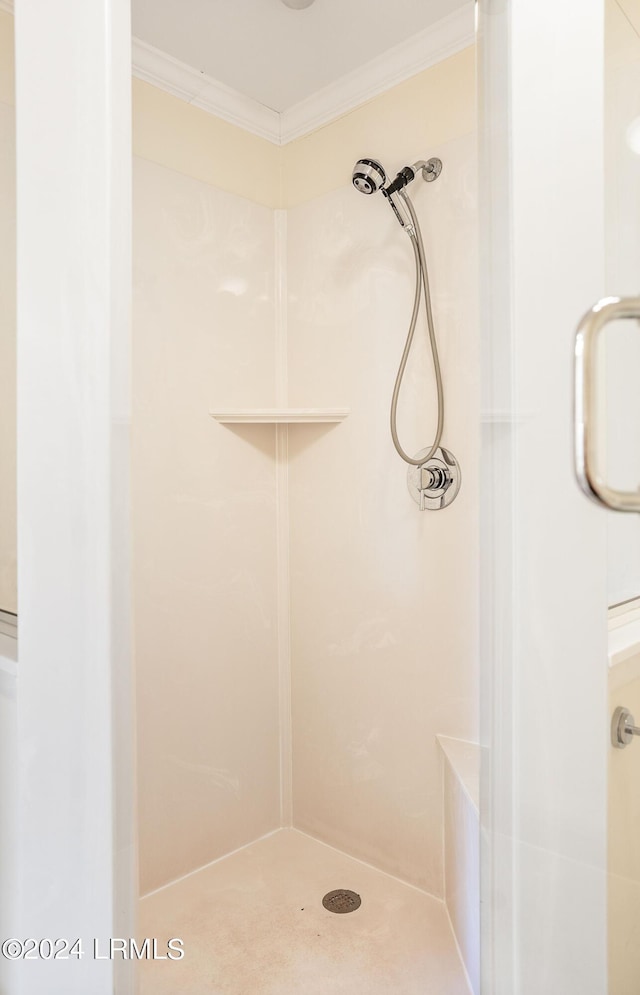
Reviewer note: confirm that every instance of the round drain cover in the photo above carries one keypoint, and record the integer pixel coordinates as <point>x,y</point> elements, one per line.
<point>341,901</point>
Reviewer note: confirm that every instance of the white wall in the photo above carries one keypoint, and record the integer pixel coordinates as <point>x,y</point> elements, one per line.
<point>543,583</point>
<point>8,591</point>
<point>75,752</point>
<point>462,850</point>
<point>8,588</point>
<point>8,810</point>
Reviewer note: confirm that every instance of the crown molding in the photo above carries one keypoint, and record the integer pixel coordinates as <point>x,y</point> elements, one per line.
<point>186,83</point>
<point>443,38</point>
<point>173,76</point>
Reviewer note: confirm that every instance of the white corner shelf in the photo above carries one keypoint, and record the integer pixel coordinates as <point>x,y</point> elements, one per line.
<point>279,416</point>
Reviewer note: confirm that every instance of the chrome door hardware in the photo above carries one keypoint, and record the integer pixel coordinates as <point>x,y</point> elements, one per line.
<point>588,472</point>
<point>623,728</point>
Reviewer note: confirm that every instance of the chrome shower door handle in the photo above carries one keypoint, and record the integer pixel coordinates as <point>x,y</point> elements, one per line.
<point>588,472</point>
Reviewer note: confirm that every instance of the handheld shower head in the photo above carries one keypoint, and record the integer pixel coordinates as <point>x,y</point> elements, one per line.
<point>368,176</point>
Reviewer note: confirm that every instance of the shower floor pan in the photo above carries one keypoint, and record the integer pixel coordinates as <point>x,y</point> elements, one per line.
<point>253,923</point>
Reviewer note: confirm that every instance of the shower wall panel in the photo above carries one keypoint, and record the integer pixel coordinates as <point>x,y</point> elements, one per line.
<point>383,596</point>
<point>204,523</point>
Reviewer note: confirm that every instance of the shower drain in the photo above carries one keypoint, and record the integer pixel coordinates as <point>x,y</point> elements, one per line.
<point>341,901</point>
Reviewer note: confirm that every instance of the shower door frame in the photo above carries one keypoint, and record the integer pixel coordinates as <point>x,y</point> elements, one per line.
<point>543,585</point>
<point>75,856</point>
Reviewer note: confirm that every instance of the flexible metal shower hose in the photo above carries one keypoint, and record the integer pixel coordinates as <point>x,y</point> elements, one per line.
<point>422,278</point>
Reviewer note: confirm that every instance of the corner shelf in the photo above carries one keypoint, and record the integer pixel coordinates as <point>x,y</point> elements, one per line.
<point>279,416</point>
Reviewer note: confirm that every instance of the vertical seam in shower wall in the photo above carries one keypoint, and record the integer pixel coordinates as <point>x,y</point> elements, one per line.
<point>282,524</point>
<point>443,827</point>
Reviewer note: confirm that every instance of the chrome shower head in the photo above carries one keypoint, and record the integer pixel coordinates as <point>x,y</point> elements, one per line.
<point>368,176</point>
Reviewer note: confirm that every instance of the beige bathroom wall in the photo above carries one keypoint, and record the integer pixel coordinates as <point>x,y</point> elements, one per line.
<point>204,523</point>
<point>383,596</point>
<point>7,68</point>
<point>8,578</point>
<point>191,141</point>
<point>622,201</point>
<point>624,839</point>
<point>205,496</point>
<point>434,106</point>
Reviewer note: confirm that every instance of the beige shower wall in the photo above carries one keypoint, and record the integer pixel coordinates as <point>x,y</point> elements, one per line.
<point>434,107</point>
<point>193,142</point>
<point>204,499</point>
<point>383,597</point>
<point>190,141</point>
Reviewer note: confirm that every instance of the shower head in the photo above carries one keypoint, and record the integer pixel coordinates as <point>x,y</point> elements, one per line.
<point>368,176</point>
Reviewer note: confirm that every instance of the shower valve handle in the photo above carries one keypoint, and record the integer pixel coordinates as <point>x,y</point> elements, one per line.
<point>434,483</point>
<point>435,478</point>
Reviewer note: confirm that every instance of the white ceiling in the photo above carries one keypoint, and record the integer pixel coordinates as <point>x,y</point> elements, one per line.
<point>276,55</point>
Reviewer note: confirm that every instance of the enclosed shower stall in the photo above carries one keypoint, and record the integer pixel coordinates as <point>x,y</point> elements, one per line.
<point>312,552</point>
<point>304,494</point>
<point>305,616</point>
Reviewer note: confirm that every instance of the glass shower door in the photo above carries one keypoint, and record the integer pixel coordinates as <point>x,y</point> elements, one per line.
<point>559,85</point>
